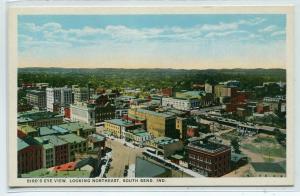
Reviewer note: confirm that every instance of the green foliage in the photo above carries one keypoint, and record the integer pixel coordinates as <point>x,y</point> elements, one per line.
<point>275,151</point>
<point>147,79</point>
<point>265,139</point>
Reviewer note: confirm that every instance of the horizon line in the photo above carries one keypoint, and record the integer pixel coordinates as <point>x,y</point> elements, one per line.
<point>148,68</point>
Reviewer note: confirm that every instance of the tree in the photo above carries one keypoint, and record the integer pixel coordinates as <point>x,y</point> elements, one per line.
<point>235,144</point>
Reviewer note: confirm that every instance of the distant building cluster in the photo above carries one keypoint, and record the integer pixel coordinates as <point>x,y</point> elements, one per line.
<point>57,125</point>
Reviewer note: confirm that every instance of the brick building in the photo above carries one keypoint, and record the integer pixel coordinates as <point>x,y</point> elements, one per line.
<point>29,156</point>
<point>208,158</point>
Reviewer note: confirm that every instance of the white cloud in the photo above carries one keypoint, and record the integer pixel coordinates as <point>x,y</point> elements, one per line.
<point>220,27</point>
<point>269,28</point>
<point>277,33</point>
<point>224,34</point>
<point>55,32</point>
<point>253,21</point>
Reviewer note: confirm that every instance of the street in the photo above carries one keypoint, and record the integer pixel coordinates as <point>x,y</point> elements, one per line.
<point>121,155</point>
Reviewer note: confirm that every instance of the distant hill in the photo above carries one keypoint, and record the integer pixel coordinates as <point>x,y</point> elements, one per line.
<point>147,78</point>
<point>55,70</point>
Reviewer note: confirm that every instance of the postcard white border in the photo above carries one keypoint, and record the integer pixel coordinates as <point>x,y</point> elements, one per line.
<point>13,181</point>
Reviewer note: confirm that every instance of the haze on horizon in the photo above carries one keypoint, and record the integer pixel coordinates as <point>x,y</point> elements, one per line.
<point>152,41</point>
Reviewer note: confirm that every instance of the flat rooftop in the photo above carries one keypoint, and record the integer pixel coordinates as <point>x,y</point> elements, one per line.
<point>72,138</point>
<point>27,128</point>
<point>74,126</point>
<point>164,115</point>
<point>22,144</point>
<point>53,139</point>
<point>164,140</point>
<point>120,122</point>
<point>209,147</point>
<point>96,137</point>
<point>36,115</point>
<point>144,168</point>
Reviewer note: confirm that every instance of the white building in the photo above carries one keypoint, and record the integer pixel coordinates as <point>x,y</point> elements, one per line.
<point>60,96</point>
<point>83,112</point>
<point>180,104</point>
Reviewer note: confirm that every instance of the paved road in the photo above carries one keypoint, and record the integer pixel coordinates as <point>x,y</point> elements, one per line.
<point>121,156</point>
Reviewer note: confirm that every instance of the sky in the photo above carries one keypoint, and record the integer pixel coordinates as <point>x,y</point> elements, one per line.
<point>182,41</point>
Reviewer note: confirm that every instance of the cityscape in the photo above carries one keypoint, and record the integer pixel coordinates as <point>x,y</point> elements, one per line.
<point>210,129</point>
<point>151,96</point>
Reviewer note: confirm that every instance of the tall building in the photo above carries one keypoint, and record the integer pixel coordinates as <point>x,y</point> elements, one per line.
<point>209,88</point>
<point>36,98</point>
<point>158,124</point>
<point>82,94</point>
<point>83,112</point>
<point>48,152</point>
<point>61,148</point>
<point>58,96</point>
<point>77,144</point>
<point>222,90</point>
<point>208,158</point>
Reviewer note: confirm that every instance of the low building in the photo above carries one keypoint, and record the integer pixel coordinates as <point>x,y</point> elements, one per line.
<point>147,169</point>
<point>118,127</point>
<point>28,130</point>
<point>167,92</point>
<point>39,118</point>
<point>165,146</point>
<point>266,169</point>
<point>76,143</point>
<point>180,104</point>
<point>262,108</point>
<point>192,131</point>
<point>209,159</point>
<point>80,129</point>
<point>96,141</point>
<point>138,136</point>
<point>29,156</point>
